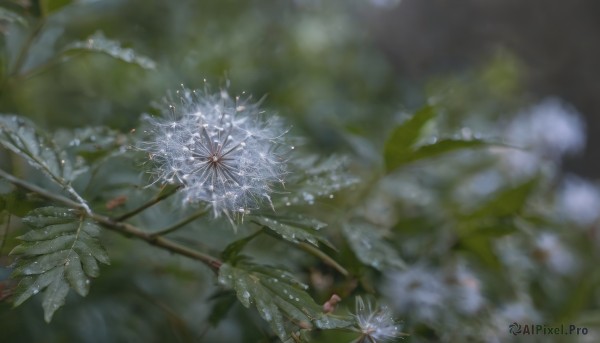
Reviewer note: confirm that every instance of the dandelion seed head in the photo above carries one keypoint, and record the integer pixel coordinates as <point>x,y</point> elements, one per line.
<point>376,324</point>
<point>223,150</point>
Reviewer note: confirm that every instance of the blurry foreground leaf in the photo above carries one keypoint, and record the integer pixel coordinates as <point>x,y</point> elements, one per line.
<point>61,251</point>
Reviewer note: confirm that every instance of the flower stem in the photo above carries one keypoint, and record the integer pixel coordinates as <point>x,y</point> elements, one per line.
<point>158,198</point>
<point>179,224</point>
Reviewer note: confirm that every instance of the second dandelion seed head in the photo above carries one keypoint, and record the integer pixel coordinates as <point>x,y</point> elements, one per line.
<point>224,151</point>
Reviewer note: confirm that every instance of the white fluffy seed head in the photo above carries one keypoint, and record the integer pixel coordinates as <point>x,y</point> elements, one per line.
<point>222,149</point>
<point>375,324</point>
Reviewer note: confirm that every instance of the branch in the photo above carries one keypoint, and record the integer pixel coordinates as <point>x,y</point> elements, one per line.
<point>120,227</point>
<point>130,230</point>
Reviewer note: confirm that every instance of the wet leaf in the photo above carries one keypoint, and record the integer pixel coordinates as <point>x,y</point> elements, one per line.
<point>100,44</point>
<point>61,251</point>
<point>279,298</point>
<point>368,244</point>
<point>295,230</point>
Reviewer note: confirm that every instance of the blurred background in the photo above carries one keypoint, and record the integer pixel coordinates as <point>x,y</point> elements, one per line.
<point>344,74</point>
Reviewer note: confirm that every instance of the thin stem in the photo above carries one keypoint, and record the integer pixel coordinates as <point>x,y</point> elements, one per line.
<point>122,228</point>
<point>36,189</point>
<point>148,204</point>
<point>324,257</point>
<point>164,243</point>
<point>180,223</point>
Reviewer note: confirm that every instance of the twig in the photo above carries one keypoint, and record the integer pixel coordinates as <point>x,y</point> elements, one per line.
<point>180,223</point>
<point>120,227</point>
<point>150,203</point>
<point>130,230</point>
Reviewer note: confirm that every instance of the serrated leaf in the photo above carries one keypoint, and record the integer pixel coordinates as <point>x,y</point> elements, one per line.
<point>22,137</point>
<point>277,296</point>
<point>100,44</point>
<point>368,244</point>
<point>317,178</point>
<point>295,230</point>
<point>60,252</point>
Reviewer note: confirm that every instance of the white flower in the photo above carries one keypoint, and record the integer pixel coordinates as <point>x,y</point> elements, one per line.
<point>224,151</point>
<point>375,324</point>
<point>419,292</point>
<point>549,128</point>
<point>579,201</point>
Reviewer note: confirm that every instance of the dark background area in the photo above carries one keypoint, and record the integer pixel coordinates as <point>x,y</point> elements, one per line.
<point>558,43</point>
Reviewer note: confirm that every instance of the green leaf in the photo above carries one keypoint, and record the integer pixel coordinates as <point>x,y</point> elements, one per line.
<point>368,244</point>
<point>442,147</point>
<point>231,252</point>
<point>91,143</point>
<point>316,178</point>
<point>482,248</point>
<point>295,230</point>
<point>100,44</point>
<point>405,136</point>
<point>61,251</point>
<point>434,150</point>
<point>277,296</point>
<point>506,202</point>
<point>22,137</point>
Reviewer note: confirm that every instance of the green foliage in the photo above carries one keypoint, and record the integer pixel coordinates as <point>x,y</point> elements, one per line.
<point>470,224</point>
<point>368,244</point>
<point>295,230</point>
<point>402,146</point>
<point>21,137</point>
<point>62,250</point>
<point>278,297</point>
